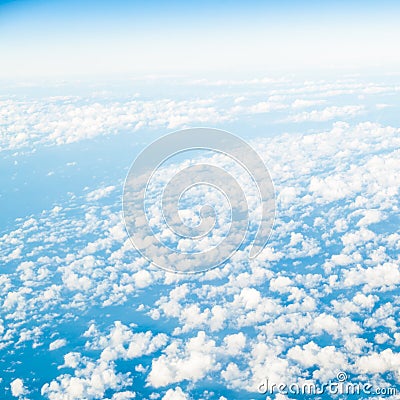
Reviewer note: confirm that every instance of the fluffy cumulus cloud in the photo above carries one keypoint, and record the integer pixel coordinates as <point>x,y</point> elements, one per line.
<point>322,297</point>
<point>175,394</point>
<point>93,378</point>
<point>17,387</point>
<point>191,363</point>
<point>57,344</point>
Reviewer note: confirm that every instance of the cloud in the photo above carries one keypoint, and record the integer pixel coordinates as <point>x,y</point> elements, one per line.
<point>304,103</point>
<point>192,362</point>
<point>327,359</point>
<point>17,387</point>
<point>327,114</point>
<point>100,193</point>
<point>330,262</point>
<point>379,362</point>
<point>385,276</point>
<point>57,344</point>
<point>175,394</point>
<point>92,379</point>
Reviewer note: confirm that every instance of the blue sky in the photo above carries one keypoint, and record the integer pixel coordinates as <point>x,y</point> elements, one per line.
<point>43,38</point>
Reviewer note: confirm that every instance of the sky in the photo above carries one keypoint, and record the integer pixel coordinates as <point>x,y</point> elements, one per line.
<point>69,38</point>
<point>85,315</point>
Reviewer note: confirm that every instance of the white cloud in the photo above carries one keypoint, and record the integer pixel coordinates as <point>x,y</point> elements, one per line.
<point>304,103</point>
<point>380,362</point>
<point>126,395</point>
<point>328,113</point>
<point>192,362</point>
<point>385,276</point>
<point>281,284</point>
<point>57,344</point>
<point>100,193</point>
<point>175,394</point>
<point>327,359</point>
<point>92,379</point>
<point>17,387</point>
<point>235,343</point>
<point>370,217</point>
